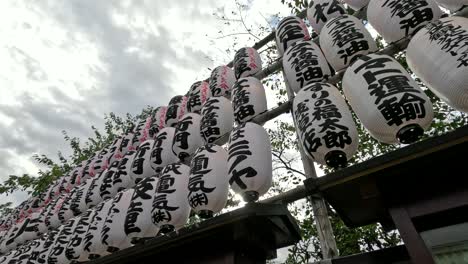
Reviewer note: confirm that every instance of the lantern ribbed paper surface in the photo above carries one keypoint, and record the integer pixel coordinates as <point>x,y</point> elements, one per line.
<point>175,110</point>
<point>248,99</point>
<point>325,125</point>
<point>122,179</point>
<point>386,99</point>
<point>141,165</point>
<point>187,136</point>
<point>249,162</point>
<point>221,81</point>
<point>343,39</point>
<point>159,120</point>
<point>197,97</point>
<point>320,12</point>
<point>74,248</point>
<point>217,119</point>
<point>438,54</point>
<point>247,62</point>
<point>396,19</point>
<point>57,254</point>
<point>93,240</point>
<point>107,190</point>
<point>290,30</point>
<point>93,195</point>
<point>162,154</point>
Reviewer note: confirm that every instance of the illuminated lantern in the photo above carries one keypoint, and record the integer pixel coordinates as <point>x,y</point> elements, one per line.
<point>320,12</point>
<point>290,30</point>
<point>356,4</point>
<point>93,245</point>
<point>175,110</point>
<point>159,120</point>
<point>326,128</point>
<point>170,209</point>
<point>52,219</point>
<point>93,195</point>
<point>113,232</point>
<point>141,164</point>
<point>57,254</point>
<point>197,97</point>
<point>208,183</point>
<point>303,64</point>
<point>217,120</point>
<point>74,248</point>
<point>162,154</point>
<point>249,162</point>
<point>438,54</point>
<point>247,62</point>
<point>47,246</point>
<point>78,203</point>
<point>138,222</point>
<point>122,177</point>
<point>397,19</point>
<point>386,99</point>
<point>248,99</point>
<point>107,189</point>
<point>452,5</point>
<point>343,39</point>
<point>221,81</point>
<point>187,136</point>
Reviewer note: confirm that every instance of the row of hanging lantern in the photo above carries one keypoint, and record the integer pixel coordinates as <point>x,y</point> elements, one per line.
<point>392,108</point>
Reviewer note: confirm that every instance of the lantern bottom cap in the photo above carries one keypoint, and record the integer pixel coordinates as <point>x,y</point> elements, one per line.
<point>205,214</point>
<point>410,133</point>
<point>336,159</point>
<point>166,229</point>
<point>250,196</point>
<point>112,249</point>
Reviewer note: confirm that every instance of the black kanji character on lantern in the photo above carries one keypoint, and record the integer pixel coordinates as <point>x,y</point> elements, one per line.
<point>290,29</point>
<point>409,107</point>
<point>390,85</point>
<point>164,184</point>
<point>241,62</point>
<point>355,47</point>
<point>332,124</point>
<point>337,139</point>
<point>247,172</point>
<point>327,111</point>
<point>198,199</point>
<point>239,151</point>
<point>161,209</point>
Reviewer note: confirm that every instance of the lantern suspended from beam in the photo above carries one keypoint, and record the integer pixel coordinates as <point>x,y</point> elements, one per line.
<point>74,248</point>
<point>249,162</point>
<point>356,4</point>
<point>325,125</point>
<point>113,231</point>
<point>438,54</point>
<point>452,5</point>
<point>93,241</point>
<point>290,30</point>
<point>247,62</point>
<point>187,136</point>
<point>387,100</point>
<point>320,12</point>
<point>303,64</point>
<point>208,183</point>
<point>171,209</point>
<point>162,154</point>
<point>57,254</point>
<point>221,81</point>
<point>396,19</point>
<point>217,120</point>
<point>138,223</point>
<point>141,164</point>
<point>198,97</point>
<point>343,39</point>
<point>159,120</point>
<point>175,110</point>
<point>248,99</point>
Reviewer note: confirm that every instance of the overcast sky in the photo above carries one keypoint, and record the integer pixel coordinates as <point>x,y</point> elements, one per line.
<point>64,64</point>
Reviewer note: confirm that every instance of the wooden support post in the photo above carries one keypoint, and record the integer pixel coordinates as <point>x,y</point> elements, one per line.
<point>417,249</point>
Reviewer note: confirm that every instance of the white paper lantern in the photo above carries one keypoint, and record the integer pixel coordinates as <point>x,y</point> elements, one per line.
<point>159,120</point>
<point>142,131</point>
<point>175,110</point>
<point>438,54</point>
<point>52,219</point>
<point>57,254</point>
<point>320,12</point>
<point>162,154</point>
<point>248,99</point>
<point>101,162</point>
<point>343,39</point>
<point>198,97</point>
<point>129,142</point>
<point>208,183</point>
<point>138,222</point>
<point>93,195</point>
<point>49,241</point>
<point>396,19</point>
<point>187,136</point>
<point>65,211</point>
<point>93,245</point>
<point>74,248</point>
<point>116,154</point>
<point>7,256</point>
<point>221,81</point>
<point>23,232</point>
<point>247,62</point>
<point>86,171</point>
<point>38,248</point>
<point>107,189</point>
<point>170,209</point>
<point>25,251</point>
<point>122,178</point>
<point>249,163</point>
<point>303,64</point>
<point>356,4</point>
<point>217,120</point>
<point>386,99</point>
<point>78,203</point>
<point>113,231</point>
<point>141,164</point>
<point>42,224</point>
<point>452,5</point>
<point>325,125</point>
<point>75,175</point>
<point>290,30</point>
